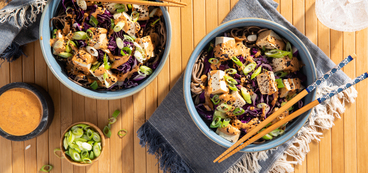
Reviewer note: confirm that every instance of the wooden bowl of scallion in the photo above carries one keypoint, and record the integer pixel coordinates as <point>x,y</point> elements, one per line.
<point>82,143</point>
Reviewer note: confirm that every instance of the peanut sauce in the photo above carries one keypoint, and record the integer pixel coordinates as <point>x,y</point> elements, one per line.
<point>20,111</point>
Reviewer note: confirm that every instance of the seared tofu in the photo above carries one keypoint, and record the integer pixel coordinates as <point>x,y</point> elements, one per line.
<point>99,39</point>
<point>266,83</point>
<point>82,61</point>
<point>146,44</point>
<point>239,101</point>
<point>109,80</point>
<point>285,64</point>
<point>129,25</point>
<point>297,84</point>
<point>242,50</point>
<point>285,91</point>
<point>229,133</point>
<point>217,82</point>
<point>112,7</point>
<point>224,48</point>
<point>58,43</point>
<point>142,10</point>
<point>270,40</point>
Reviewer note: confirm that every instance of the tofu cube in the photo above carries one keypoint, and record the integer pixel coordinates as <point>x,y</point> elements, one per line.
<point>217,82</point>
<point>82,61</point>
<point>129,25</point>
<point>270,40</point>
<point>99,38</point>
<point>224,48</point>
<point>230,137</point>
<point>266,83</point>
<point>146,44</point>
<point>297,84</point>
<point>285,91</point>
<point>239,101</point>
<point>112,7</point>
<point>285,64</point>
<point>109,80</point>
<point>242,50</point>
<point>142,10</point>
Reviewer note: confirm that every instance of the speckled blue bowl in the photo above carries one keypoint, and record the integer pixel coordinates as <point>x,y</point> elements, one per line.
<point>308,69</point>
<point>57,70</point>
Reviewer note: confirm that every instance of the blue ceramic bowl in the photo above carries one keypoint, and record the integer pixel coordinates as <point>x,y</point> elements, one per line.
<point>45,33</point>
<point>308,69</point>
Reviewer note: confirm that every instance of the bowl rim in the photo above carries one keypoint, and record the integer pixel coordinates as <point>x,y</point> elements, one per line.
<point>102,96</point>
<point>187,79</point>
<point>98,130</point>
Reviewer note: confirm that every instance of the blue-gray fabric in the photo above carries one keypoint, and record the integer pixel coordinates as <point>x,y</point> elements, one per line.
<point>171,134</point>
<point>12,37</point>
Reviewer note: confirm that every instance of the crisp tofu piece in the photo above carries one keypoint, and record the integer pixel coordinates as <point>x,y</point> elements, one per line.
<point>297,84</point>
<point>229,133</point>
<point>129,25</point>
<point>266,83</point>
<point>217,82</point>
<point>82,61</point>
<point>59,43</point>
<point>270,40</point>
<point>239,101</point>
<point>112,7</point>
<point>107,82</point>
<point>142,10</point>
<point>242,50</point>
<point>99,39</point>
<point>224,48</point>
<point>146,44</point>
<point>285,91</point>
<point>285,64</point>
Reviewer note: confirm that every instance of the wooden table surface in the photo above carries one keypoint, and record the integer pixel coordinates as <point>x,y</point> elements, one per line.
<point>342,149</point>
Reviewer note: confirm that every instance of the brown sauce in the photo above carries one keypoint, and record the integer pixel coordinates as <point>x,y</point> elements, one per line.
<point>20,111</point>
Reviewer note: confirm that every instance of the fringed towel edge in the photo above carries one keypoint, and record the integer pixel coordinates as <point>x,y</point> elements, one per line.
<point>169,159</point>
<point>11,53</point>
<point>20,16</point>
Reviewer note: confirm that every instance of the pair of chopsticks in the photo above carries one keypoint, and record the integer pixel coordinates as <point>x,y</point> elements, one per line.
<point>240,145</point>
<point>167,3</point>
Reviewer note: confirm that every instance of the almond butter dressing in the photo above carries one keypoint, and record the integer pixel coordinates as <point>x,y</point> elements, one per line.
<point>20,111</point>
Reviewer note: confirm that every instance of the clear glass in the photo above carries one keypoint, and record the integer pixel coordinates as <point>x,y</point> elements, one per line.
<point>343,15</point>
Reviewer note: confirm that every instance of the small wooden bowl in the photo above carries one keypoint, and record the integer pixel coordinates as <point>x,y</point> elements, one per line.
<point>95,128</point>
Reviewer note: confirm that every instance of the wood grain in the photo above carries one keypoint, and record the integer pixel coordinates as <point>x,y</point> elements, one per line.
<point>342,149</point>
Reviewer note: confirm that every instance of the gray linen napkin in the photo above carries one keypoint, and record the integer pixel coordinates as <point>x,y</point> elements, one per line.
<point>173,137</point>
<point>19,22</point>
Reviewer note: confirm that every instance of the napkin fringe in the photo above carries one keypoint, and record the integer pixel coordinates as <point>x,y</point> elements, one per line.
<point>20,15</point>
<point>249,163</point>
<point>11,53</point>
<point>169,159</point>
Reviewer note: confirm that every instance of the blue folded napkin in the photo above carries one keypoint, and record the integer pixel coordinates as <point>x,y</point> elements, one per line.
<point>173,137</point>
<point>19,22</point>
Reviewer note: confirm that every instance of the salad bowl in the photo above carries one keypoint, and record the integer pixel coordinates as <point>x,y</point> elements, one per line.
<point>309,70</point>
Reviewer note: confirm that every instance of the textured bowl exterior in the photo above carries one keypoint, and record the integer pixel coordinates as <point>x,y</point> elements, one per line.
<point>58,71</point>
<point>308,69</point>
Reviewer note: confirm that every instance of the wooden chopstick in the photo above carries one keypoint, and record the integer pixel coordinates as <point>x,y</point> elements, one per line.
<point>150,3</point>
<point>296,114</point>
<point>175,2</point>
<point>288,104</point>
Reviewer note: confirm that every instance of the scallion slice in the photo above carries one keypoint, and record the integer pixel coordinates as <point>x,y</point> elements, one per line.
<point>94,85</point>
<point>135,16</point>
<point>80,35</point>
<point>78,132</point>
<point>121,134</point>
<point>129,38</point>
<point>267,137</point>
<point>232,87</point>
<point>70,138</point>
<point>237,61</point>
<point>91,155</point>
<point>256,73</point>
<point>74,155</point>
<point>216,122</point>
<point>213,61</point>
<point>223,107</point>
<point>281,74</point>
<point>93,21</point>
<point>96,137</point>
<point>86,160</point>
<point>84,154</point>
<point>146,70</point>
<point>275,53</point>
<point>89,133</point>
<point>246,95</point>
<point>106,63</point>
<point>280,84</point>
<point>65,54</point>
<point>126,49</point>
<point>249,68</point>
<point>230,80</point>
<point>116,113</point>
<point>96,150</point>
<point>215,99</point>
<point>112,120</point>
<point>230,71</point>
<point>107,131</point>
<point>46,168</point>
<point>65,144</point>
<point>238,111</point>
<point>153,23</point>
<point>119,26</point>
<point>112,24</point>
<point>54,33</point>
<point>56,150</point>
<point>119,43</point>
<point>225,122</point>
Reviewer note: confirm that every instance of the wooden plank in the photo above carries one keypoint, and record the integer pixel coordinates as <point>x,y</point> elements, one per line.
<point>104,163</point>
<point>151,105</point>
<point>78,116</point>
<point>211,15</point>
<point>278,7</point>
<point>128,140</point>
<point>90,109</point>
<point>350,112</point>
<point>116,142</point>
<point>287,10</point>
<point>325,144</point>
<point>186,20</point>
<point>222,10</point>
<point>233,3</point>
<point>66,119</point>
<point>361,101</point>
<point>311,33</point>
<point>139,120</point>
<point>337,131</point>
<point>199,21</point>
<point>175,53</point>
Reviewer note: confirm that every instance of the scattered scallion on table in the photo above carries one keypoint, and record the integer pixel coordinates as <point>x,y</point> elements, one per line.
<point>46,168</point>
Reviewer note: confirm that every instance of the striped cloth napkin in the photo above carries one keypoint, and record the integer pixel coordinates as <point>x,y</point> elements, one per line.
<point>173,137</point>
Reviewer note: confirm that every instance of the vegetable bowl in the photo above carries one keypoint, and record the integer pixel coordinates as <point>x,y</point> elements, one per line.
<point>104,50</point>
<point>242,72</point>
<point>82,143</point>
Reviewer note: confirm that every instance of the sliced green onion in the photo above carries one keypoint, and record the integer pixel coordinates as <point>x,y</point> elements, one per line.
<point>215,99</point>
<point>65,144</point>
<point>119,42</point>
<point>67,153</point>
<point>81,140</point>
<point>129,38</point>
<point>280,84</point>
<point>73,146</point>
<point>56,150</point>
<point>116,113</point>
<point>89,133</point>
<point>232,87</point>
<point>219,114</point>
<point>46,168</point>
<point>85,137</point>
<point>89,33</point>
<point>67,9</point>
<point>79,35</point>
<point>236,61</point>
<point>65,54</point>
<point>210,47</point>
<point>119,6</point>
<point>213,61</point>
<point>120,10</point>
<point>230,71</point>
<point>256,73</point>
<point>275,53</point>
<point>83,126</point>
<point>70,138</point>
<point>54,33</point>
<point>91,142</point>
<point>249,68</point>
<point>129,6</point>
<point>112,23</point>
<point>96,66</point>
<point>96,150</point>
<point>74,155</point>
<point>146,70</point>
<point>281,74</point>
<point>288,47</point>
<point>135,16</point>
<point>238,111</point>
<point>84,154</point>
<point>112,120</point>
<point>246,95</point>
<point>225,122</point>
<point>223,107</point>
<point>267,137</point>
<point>276,132</point>
<point>105,76</point>
<point>216,122</point>
<point>230,80</point>
<point>263,49</point>
<point>93,21</point>
<point>119,26</point>
<point>107,132</point>
<point>290,109</point>
<point>126,49</point>
<point>91,155</point>
<point>78,132</point>
<point>96,137</point>
<point>86,160</point>
<point>153,23</point>
<point>94,85</point>
<point>121,134</point>
<point>106,63</point>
